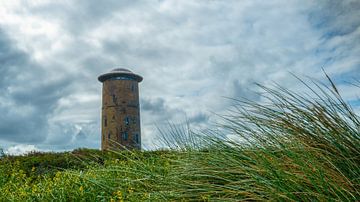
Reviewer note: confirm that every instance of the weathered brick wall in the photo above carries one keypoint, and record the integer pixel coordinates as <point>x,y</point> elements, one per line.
<point>120,115</point>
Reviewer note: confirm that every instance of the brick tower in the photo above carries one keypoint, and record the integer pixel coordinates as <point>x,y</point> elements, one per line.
<point>120,125</point>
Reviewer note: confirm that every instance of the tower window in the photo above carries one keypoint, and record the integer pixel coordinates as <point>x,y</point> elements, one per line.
<point>132,88</point>
<point>136,138</point>
<point>105,122</point>
<point>126,120</point>
<point>114,99</point>
<point>109,135</point>
<point>122,78</point>
<point>125,136</point>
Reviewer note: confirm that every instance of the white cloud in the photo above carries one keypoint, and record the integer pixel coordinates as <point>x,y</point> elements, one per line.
<point>190,53</point>
<point>21,149</point>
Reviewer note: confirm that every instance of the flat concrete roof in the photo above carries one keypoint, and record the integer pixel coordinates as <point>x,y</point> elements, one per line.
<point>120,72</point>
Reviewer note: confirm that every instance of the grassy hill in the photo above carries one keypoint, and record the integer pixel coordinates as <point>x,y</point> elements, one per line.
<point>82,175</point>
<point>290,148</point>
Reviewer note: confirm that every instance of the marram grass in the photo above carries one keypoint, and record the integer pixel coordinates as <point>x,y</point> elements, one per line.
<point>288,147</point>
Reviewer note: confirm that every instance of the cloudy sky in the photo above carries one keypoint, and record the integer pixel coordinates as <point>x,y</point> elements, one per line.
<point>191,54</point>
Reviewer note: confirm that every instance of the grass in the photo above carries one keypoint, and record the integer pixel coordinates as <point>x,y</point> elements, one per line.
<point>289,147</point>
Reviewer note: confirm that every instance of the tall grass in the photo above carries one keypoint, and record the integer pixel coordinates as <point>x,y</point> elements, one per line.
<point>288,147</point>
<point>291,147</point>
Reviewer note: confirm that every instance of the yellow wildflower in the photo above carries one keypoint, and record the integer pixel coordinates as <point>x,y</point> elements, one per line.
<point>119,194</point>
<point>34,189</point>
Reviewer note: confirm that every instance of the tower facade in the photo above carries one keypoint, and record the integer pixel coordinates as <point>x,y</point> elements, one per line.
<point>120,121</point>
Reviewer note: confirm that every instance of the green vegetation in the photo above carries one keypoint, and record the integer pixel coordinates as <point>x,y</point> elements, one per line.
<point>291,147</point>
<point>2,154</point>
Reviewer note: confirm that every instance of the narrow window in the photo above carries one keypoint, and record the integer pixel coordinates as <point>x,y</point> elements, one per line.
<point>114,99</point>
<point>132,88</point>
<point>125,136</point>
<point>126,120</point>
<point>109,135</point>
<point>105,122</point>
<point>136,138</point>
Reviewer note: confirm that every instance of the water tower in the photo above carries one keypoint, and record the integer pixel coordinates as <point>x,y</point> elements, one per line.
<point>120,124</point>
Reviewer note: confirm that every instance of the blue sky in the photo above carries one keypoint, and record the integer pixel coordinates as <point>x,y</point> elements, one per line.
<point>191,54</point>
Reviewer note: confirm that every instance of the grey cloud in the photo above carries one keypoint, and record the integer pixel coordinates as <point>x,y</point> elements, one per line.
<point>27,95</point>
<point>339,23</point>
<point>154,105</point>
<point>43,95</point>
<point>80,136</point>
<point>11,60</point>
<point>190,53</point>
<point>155,111</point>
<point>199,118</point>
<point>245,89</point>
<point>336,17</point>
<point>65,136</point>
<point>79,16</point>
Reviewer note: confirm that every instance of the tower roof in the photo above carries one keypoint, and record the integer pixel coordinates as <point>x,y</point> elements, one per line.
<point>119,72</point>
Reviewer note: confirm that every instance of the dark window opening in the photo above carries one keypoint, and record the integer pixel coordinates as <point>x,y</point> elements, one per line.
<point>123,78</point>
<point>125,136</point>
<point>126,121</point>
<point>105,122</point>
<point>109,135</point>
<point>114,99</point>
<point>136,138</point>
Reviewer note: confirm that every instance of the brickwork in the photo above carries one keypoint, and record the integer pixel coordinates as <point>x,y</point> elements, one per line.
<point>120,114</point>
